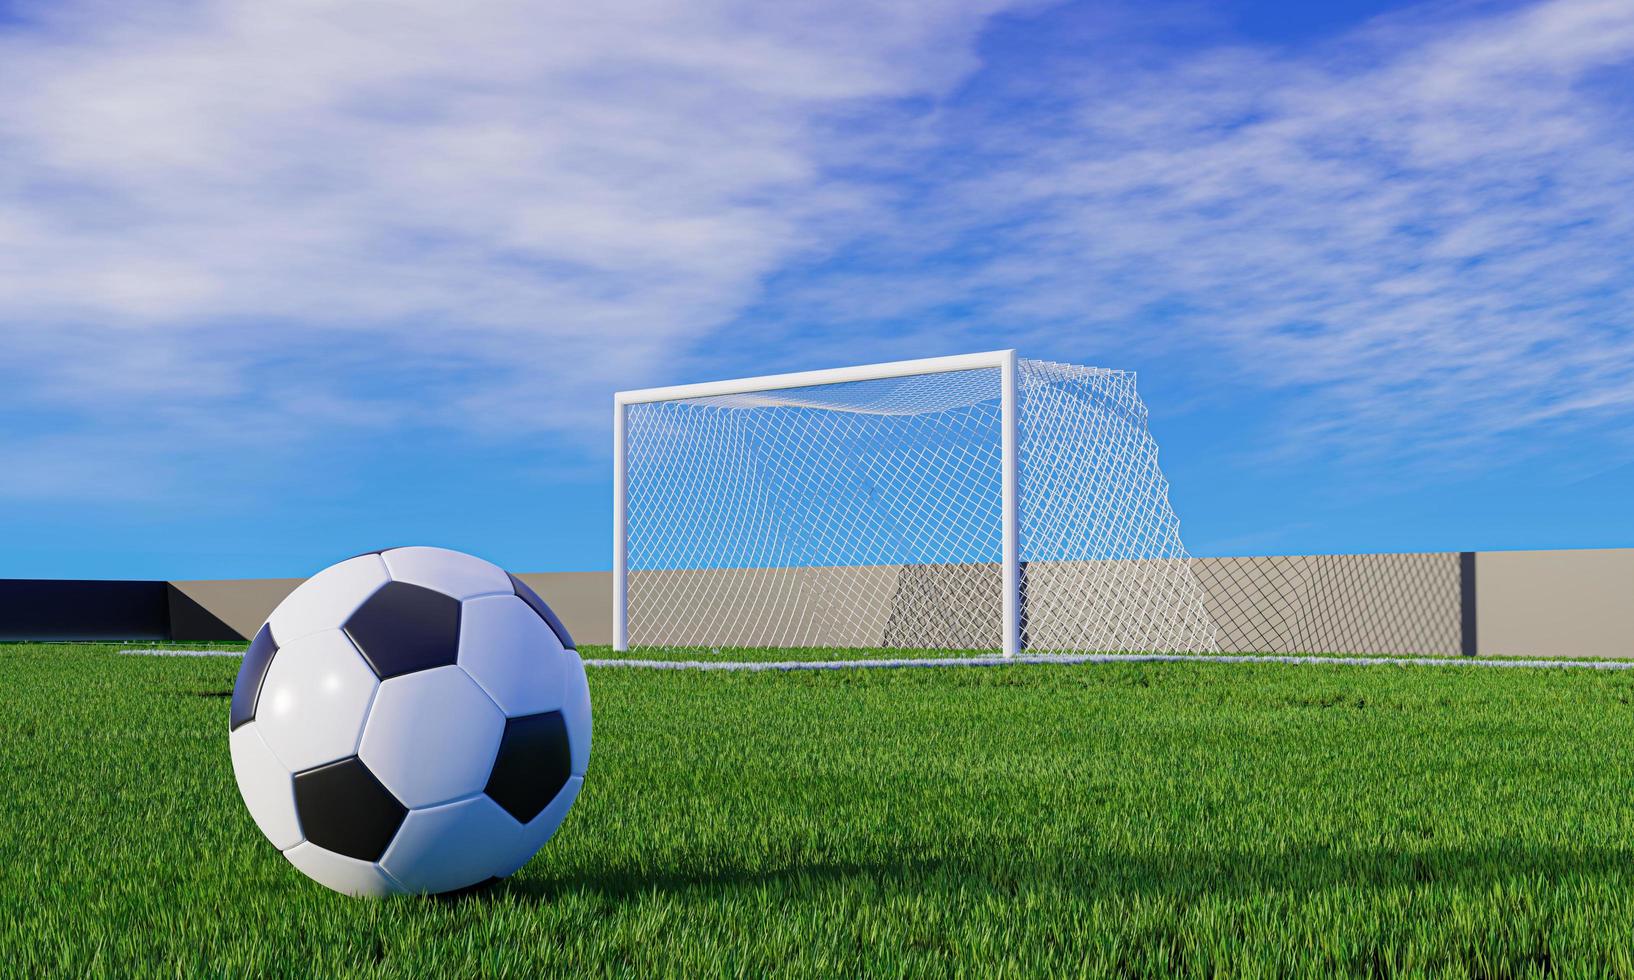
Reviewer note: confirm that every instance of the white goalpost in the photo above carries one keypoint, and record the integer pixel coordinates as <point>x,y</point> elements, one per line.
<point>978,502</point>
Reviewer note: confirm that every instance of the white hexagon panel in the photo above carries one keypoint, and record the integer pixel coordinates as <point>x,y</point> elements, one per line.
<point>432,736</point>
<point>314,700</point>
<point>513,654</point>
<point>455,845</point>
<point>266,786</point>
<point>410,720</point>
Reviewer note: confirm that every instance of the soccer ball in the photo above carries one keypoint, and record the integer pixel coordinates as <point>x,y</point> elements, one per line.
<point>410,720</point>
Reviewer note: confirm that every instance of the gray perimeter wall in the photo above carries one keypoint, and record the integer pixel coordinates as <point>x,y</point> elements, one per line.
<point>1562,603</point>
<point>1513,603</point>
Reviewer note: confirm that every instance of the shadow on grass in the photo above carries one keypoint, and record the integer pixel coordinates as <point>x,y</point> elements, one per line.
<point>1093,875</point>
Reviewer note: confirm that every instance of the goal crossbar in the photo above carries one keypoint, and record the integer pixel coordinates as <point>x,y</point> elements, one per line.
<point>812,379</point>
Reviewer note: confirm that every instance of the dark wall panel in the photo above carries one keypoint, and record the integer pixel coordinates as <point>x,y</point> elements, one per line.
<point>190,620</point>
<point>1466,600</point>
<point>57,609</point>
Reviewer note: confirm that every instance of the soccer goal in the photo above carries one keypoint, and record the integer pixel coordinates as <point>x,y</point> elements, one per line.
<point>982,502</point>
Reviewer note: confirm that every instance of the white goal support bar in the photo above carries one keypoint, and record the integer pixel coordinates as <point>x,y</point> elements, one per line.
<point>1003,360</point>
<point>808,379</point>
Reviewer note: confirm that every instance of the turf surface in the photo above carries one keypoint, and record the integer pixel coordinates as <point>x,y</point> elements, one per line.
<point>1167,819</point>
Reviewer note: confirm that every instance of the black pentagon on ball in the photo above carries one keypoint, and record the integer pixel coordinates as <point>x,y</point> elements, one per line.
<point>533,764</point>
<point>531,597</point>
<point>247,689</point>
<point>343,808</point>
<point>403,628</point>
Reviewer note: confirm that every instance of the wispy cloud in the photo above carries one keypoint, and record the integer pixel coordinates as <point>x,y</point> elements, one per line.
<point>221,208</point>
<point>291,219</point>
<point>1423,229</point>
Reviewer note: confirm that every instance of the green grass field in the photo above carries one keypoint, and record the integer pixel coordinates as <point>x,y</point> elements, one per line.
<point>1167,819</point>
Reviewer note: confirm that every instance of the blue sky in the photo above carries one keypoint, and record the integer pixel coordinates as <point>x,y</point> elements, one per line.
<point>284,282</point>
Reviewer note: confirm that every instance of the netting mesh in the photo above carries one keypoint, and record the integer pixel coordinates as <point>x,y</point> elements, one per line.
<point>1389,603</point>
<point>869,514</point>
<point>1103,564</point>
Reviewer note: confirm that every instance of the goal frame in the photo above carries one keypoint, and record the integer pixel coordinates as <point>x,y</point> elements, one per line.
<point>1004,361</point>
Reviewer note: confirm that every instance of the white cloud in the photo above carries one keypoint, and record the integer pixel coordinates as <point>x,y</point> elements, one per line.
<point>1424,228</point>
<point>547,196</point>
<point>225,217</point>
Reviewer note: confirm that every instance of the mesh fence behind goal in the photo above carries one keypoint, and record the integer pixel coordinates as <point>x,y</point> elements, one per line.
<point>869,513</point>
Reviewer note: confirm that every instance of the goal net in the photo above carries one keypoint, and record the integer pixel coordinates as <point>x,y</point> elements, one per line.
<point>983,502</point>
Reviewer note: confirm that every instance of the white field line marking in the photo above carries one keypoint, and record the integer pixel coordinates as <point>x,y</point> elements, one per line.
<point>1107,658</point>
<point>1037,658</point>
<point>183,653</point>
